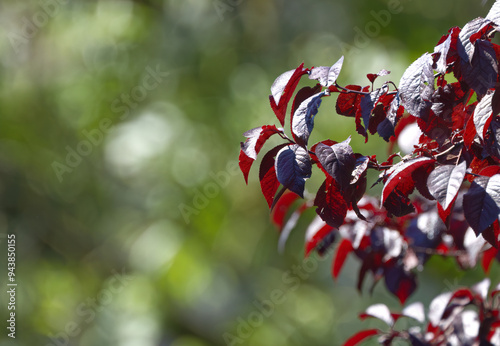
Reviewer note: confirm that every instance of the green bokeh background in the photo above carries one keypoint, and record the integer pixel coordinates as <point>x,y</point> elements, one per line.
<point>104,255</point>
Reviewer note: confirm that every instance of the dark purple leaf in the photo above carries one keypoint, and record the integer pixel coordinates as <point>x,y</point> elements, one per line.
<point>400,282</point>
<point>386,128</point>
<point>368,102</point>
<point>483,115</point>
<point>425,231</point>
<point>417,85</point>
<point>445,181</point>
<point>293,167</point>
<point>481,202</point>
<point>465,47</point>
<point>338,160</point>
<point>481,72</point>
<point>303,118</point>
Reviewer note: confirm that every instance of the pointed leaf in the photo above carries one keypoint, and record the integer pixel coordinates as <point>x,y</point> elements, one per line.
<point>338,160</point>
<point>267,175</point>
<point>316,232</point>
<point>401,173</point>
<point>481,202</point>
<point>483,114</point>
<point>303,118</point>
<point>400,282</point>
<point>325,75</point>
<point>348,103</point>
<point>380,311</point>
<point>344,248</point>
<point>330,203</point>
<point>281,208</point>
<point>282,90</point>
<point>494,13</point>
<point>256,138</point>
<point>293,167</point>
<point>417,86</point>
<point>481,74</point>
<point>415,311</point>
<point>445,181</point>
<point>360,336</point>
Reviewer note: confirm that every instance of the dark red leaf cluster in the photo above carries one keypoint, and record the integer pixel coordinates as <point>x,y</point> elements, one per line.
<point>441,198</point>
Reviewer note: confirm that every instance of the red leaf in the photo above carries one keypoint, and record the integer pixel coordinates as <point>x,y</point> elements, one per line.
<point>348,103</point>
<point>281,208</point>
<point>488,257</point>
<point>245,164</point>
<point>267,175</point>
<point>282,90</point>
<point>402,173</point>
<point>316,232</point>
<point>250,149</point>
<point>345,247</point>
<point>360,336</point>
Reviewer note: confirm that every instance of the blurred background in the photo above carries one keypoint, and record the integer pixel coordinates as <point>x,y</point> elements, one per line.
<point>120,124</point>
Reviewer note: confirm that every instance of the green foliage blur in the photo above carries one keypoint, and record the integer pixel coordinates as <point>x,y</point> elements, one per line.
<point>120,124</point>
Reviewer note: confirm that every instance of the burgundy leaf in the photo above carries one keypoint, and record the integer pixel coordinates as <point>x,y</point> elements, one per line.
<point>417,85</point>
<point>282,90</point>
<point>330,203</point>
<point>293,167</point>
<point>360,336</point>
<point>338,160</point>
<point>348,103</point>
<point>481,202</point>
<point>401,173</point>
<point>303,118</point>
<point>445,181</point>
<point>300,97</point>
<point>267,175</point>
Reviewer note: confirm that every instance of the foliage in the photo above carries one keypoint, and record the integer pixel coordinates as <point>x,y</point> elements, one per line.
<point>443,198</point>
